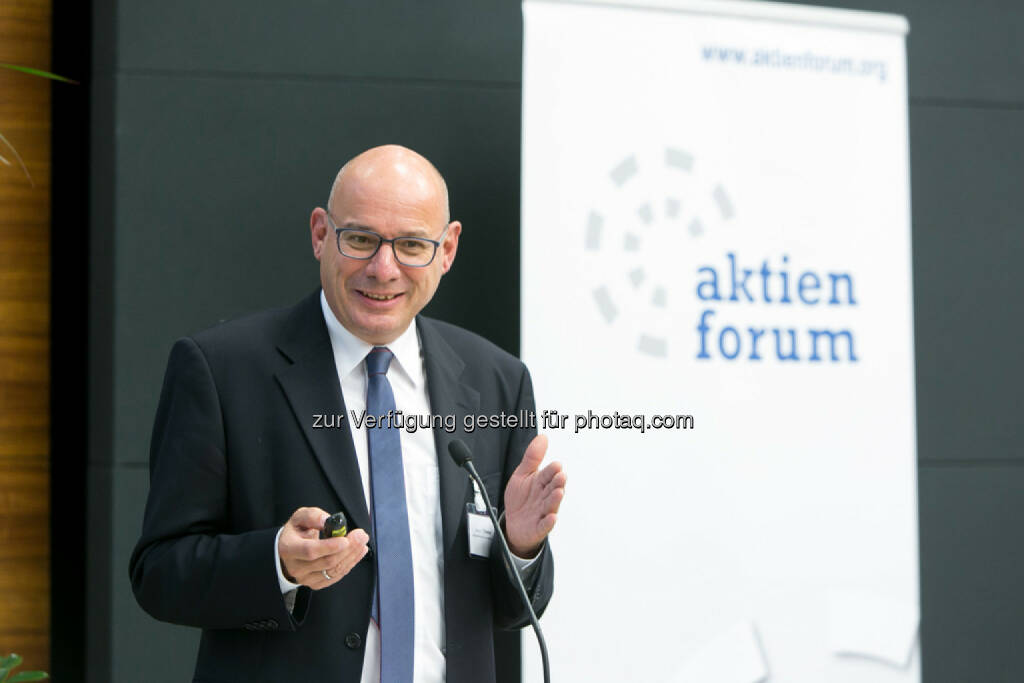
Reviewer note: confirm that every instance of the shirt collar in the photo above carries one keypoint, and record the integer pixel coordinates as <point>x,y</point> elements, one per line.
<point>350,350</point>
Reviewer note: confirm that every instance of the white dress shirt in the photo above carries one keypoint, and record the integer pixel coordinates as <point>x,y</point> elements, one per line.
<point>422,490</point>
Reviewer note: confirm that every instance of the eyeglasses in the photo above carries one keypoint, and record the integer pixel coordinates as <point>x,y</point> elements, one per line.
<point>415,252</point>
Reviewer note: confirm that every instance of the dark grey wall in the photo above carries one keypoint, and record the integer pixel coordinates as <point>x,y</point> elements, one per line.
<point>217,127</point>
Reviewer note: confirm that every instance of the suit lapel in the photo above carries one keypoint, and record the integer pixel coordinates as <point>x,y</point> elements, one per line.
<point>311,386</point>
<point>448,396</point>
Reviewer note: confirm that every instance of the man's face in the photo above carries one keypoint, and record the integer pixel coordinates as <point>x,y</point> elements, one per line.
<point>377,299</point>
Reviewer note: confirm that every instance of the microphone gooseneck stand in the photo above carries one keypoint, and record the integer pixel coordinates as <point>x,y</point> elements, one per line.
<point>463,458</point>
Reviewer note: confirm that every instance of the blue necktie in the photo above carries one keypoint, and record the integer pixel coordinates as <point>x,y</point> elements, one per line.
<point>394,600</point>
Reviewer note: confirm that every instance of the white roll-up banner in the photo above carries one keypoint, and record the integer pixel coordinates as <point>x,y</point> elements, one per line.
<point>717,313</point>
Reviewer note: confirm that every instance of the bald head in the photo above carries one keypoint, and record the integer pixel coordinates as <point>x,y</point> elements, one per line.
<point>393,169</point>
<point>388,193</point>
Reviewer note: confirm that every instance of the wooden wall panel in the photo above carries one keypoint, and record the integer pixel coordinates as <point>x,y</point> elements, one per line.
<point>25,336</point>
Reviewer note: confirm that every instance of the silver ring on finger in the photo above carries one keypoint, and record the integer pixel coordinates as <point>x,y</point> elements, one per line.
<point>326,575</point>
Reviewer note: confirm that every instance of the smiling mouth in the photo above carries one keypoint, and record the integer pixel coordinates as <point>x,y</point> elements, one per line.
<point>379,297</point>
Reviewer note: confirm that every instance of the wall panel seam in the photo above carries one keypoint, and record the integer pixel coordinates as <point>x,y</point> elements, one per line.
<point>957,103</point>
<point>980,463</point>
<point>284,77</point>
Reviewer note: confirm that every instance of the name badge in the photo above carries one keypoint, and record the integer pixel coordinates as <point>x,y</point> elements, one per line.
<point>481,532</point>
<point>478,526</point>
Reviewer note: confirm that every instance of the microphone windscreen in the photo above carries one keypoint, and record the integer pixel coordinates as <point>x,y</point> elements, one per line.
<point>459,451</point>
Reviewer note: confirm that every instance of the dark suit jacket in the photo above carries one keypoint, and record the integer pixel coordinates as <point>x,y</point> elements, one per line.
<point>234,453</point>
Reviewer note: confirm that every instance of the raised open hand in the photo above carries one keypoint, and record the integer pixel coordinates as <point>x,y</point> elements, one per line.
<point>532,497</point>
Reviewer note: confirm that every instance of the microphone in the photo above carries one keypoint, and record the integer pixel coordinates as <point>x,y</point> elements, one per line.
<point>460,453</point>
<point>464,458</point>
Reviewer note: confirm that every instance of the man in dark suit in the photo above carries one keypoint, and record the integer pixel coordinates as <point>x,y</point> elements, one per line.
<point>261,432</point>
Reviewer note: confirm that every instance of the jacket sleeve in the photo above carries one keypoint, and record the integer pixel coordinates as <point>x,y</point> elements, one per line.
<point>509,611</point>
<point>190,567</point>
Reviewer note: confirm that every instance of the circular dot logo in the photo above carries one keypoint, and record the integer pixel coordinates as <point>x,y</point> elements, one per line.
<point>641,238</point>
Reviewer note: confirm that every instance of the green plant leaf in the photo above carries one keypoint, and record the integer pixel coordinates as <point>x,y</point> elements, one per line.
<point>37,72</point>
<point>29,676</point>
<point>10,661</point>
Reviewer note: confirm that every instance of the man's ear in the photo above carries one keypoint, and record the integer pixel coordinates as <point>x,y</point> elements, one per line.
<point>318,231</point>
<point>450,245</point>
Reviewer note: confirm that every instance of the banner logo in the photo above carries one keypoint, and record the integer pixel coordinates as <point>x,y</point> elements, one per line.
<point>680,274</point>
